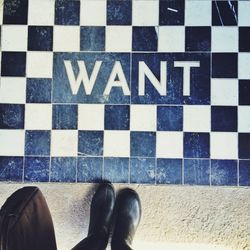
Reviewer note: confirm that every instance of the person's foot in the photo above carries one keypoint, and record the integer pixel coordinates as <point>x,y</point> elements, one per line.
<point>128,214</point>
<point>101,210</point>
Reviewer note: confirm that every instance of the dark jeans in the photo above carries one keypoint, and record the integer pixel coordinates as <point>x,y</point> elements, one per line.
<point>26,224</point>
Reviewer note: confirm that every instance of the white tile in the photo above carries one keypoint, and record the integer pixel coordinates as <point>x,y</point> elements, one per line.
<point>117,143</point>
<point>38,116</point>
<point>224,39</point>
<point>12,142</point>
<point>143,117</point>
<point>64,142</point>
<point>223,145</point>
<point>169,144</point>
<point>14,37</point>
<point>66,39</point>
<point>1,15</point>
<point>224,91</point>
<point>93,13</point>
<point>39,64</point>
<point>118,38</point>
<point>243,65</point>
<point>13,90</point>
<point>197,118</point>
<point>198,13</point>
<point>91,117</point>
<point>145,13</point>
<point>171,39</point>
<point>244,119</point>
<point>41,12</point>
<point>243,13</point>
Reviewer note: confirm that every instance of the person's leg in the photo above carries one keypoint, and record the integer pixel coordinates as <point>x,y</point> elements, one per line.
<point>25,222</point>
<point>128,214</point>
<point>100,219</point>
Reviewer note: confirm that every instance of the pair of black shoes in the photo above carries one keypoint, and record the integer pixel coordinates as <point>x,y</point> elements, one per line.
<point>122,214</point>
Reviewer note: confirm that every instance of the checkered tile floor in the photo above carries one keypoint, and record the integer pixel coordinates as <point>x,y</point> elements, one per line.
<point>49,135</point>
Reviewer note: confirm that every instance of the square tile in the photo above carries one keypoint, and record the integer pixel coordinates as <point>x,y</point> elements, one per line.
<point>222,34</point>
<point>224,118</point>
<point>196,172</point>
<point>198,13</point>
<point>11,168</point>
<point>67,12</point>
<point>169,144</point>
<point>36,12</point>
<point>90,143</point>
<point>244,173</point>
<point>12,142</point>
<point>91,117</point>
<point>145,38</point>
<point>89,169</point>
<point>15,12</point>
<point>38,116</point>
<point>63,169</point>
<point>147,139</point>
<point>117,117</point>
<point>64,142</point>
<point>36,169</point>
<point>93,12</point>
<point>223,145</point>
<point>171,39</point>
<point>198,39</point>
<point>196,145</point>
<point>40,38</point>
<point>197,118</point>
<point>92,38</point>
<point>37,142</point>
<point>117,143</point>
<point>38,90</point>
<point>169,171</point>
<point>116,170</point>
<point>11,116</point>
<point>142,170</point>
<point>244,119</point>
<point>143,117</point>
<point>224,172</point>
<point>244,9</point>
<point>11,34</point>
<point>169,118</point>
<point>64,116</point>
<point>13,90</point>
<point>13,64</point>
<point>224,65</point>
<point>145,13</point>
<point>66,39</point>
<point>172,12</point>
<point>118,38</point>
<point>244,90</point>
<point>244,39</point>
<point>224,92</point>
<point>39,64</point>
<point>243,61</point>
<point>119,12</point>
<point>244,145</point>
<point>224,13</point>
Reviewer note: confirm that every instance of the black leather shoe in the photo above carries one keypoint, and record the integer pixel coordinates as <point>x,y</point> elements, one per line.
<point>101,210</point>
<point>128,215</point>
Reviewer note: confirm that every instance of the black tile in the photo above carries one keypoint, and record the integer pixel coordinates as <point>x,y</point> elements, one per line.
<point>13,64</point>
<point>244,173</point>
<point>244,92</point>
<point>244,145</point>
<point>198,38</point>
<point>224,65</point>
<point>224,118</point>
<point>11,168</point>
<point>244,39</point>
<point>40,38</point>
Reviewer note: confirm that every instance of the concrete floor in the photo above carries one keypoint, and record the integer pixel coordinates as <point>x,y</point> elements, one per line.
<point>174,217</point>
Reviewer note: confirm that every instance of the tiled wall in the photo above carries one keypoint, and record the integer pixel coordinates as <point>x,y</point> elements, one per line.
<point>197,134</point>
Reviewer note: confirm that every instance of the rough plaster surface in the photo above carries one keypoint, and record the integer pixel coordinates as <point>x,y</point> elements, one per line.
<point>179,214</point>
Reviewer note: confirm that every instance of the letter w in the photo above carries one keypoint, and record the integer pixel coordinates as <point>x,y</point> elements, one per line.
<point>88,83</point>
